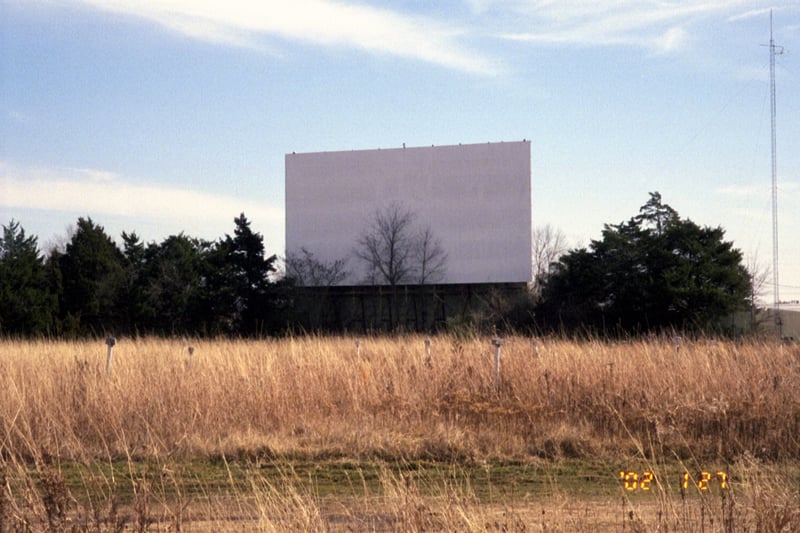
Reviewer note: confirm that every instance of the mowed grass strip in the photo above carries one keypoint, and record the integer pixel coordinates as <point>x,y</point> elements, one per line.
<point>242,493</point>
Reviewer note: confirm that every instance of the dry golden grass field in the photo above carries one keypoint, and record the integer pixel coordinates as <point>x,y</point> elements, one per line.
<point>341,433</point>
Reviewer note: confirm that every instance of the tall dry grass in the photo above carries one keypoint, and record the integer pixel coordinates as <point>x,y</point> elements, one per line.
<point>324,397</point>
<point>650,402</point>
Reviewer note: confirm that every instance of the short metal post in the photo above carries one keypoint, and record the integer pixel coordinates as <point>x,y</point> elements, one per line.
<point>428,362</point>
<point>535,345</point>
<point>677,341</point>
<point>110,342</point>
<point>497,342</point>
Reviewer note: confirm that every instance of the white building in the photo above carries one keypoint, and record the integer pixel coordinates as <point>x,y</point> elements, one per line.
<point>475,198</point>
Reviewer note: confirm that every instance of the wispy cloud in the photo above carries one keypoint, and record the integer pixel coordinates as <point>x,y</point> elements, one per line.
<point>742,191</point>
<point>99,192</point>
<point>321,22</point>
<point>749,14</point>
<point>18,117</point>
<point>662,26</point>
<point>753,191</point>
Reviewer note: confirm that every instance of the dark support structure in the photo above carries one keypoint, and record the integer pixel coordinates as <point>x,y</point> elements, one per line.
<point>418,308</point>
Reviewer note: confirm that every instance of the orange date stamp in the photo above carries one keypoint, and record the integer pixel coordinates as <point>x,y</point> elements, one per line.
<point>703,481</point>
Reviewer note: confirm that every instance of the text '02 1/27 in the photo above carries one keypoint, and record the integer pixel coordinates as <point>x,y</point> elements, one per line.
<point>632,480</point>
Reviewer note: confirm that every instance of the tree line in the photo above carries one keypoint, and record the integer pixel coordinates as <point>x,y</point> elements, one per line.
<point>182,285</point>
<point>654,272</point>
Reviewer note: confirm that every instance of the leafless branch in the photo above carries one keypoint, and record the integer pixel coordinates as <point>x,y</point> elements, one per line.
<point>547,245</point>
<point>430,257</point>
<point>394,253</point>
<point>307,271</point>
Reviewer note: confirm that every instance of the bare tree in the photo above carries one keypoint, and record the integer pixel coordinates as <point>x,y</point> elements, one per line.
<point>57,244</point>
<point>759,274</point>
<point>395,252</point>
<point>308,271</point>
<point>547,245</point>
<point>430,257</point>
<point>387,246</point>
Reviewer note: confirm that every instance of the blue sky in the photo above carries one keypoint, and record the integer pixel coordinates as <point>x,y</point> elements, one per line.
<point>174,115</point>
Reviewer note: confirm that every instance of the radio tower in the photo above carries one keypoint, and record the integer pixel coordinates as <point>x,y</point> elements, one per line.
<point>773,51</point>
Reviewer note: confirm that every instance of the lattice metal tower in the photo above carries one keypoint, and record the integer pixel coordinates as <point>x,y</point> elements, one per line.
<point>773,51</point>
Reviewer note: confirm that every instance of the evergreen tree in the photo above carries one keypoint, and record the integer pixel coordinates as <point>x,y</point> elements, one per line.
<point>93,281</point>
<point>134,262</point>
<point>254,307</point>
<point>27,306</point>
<point>657,215</point>
<point>169,290</point>
<point>653,272</point>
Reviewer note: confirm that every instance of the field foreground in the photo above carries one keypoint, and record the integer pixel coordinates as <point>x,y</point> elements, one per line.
<point>388,434</point>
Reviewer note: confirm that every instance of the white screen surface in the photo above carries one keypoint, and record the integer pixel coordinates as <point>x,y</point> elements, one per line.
<point>475,198</point>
